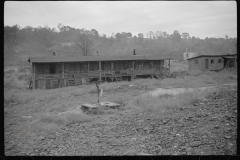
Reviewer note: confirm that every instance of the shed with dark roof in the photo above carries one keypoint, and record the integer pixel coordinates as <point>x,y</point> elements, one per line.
<point>212,62</point>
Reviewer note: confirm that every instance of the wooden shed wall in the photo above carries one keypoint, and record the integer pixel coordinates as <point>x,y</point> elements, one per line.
<point>202,66</point>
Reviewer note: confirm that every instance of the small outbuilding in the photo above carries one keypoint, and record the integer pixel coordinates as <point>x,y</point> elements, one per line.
<point>212,62</point>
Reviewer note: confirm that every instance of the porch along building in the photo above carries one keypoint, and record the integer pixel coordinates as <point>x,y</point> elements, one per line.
<point>212,62</point>
<point>58,72</point>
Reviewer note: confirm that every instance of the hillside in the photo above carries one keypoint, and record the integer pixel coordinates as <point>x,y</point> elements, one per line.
<point>20,43</point>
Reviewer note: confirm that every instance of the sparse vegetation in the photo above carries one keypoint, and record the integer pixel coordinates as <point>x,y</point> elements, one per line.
<point>165,102</point>
<point>65,118</point>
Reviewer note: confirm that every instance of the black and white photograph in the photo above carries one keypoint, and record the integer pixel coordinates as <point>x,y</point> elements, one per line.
<point>120,78</point>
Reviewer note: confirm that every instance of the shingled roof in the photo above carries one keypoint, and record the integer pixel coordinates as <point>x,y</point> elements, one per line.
<point>95,58</point>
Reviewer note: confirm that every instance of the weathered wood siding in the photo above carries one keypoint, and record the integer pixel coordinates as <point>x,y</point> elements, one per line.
<point>93,66</point>
<point>59,68</point>
<point>146,64</point>
<point>121,65</point>
<point>84,66</point>
<point>213,63</point>
<point>106,66</point>
<point>161,63</point>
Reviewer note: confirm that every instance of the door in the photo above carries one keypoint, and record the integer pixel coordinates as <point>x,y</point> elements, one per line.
<point>231,63</point>
<point>206,63</point>
<point>52,69</point>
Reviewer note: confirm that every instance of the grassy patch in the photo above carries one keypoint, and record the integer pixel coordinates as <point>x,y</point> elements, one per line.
<point>65,118</point>
<point>10,98</point>
<point>10,71</point>
<point>148,83</point>
<point>164,102</point>
<point>120,100</point>
<point>58,108</point>
<point>72,118</point>
<point>108,86</point>
<point>52,118</point>
<point>79,92</point>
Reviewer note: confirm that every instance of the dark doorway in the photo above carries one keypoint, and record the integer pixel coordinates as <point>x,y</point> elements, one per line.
<point>231,63</point>
<point>206,63</point>
<point>52,69</point>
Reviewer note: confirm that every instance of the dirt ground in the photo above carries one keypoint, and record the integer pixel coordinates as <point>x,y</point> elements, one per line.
<point>205,127</point>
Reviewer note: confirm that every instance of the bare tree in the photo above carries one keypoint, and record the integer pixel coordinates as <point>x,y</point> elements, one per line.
<point>85,44</point>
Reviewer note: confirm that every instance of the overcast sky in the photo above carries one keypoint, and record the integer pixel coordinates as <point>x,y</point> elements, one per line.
<point>198,18</point>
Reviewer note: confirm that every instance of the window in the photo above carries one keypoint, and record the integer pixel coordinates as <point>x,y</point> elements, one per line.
<point>151,64</point>
<point>220,61</point>
<point>196,61</point>
<point>212,61</point>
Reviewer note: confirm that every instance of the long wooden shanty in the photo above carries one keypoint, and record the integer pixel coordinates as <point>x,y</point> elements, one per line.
<point>57,72</point>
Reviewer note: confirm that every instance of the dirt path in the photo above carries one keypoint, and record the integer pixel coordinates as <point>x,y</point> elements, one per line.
<point>207,128</point>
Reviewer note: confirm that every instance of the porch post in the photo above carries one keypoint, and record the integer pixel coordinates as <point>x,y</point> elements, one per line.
<point>62,70</point>
<point>63,74</point>
<point>33,76</point>
<point>100,72</point>
<point>169,68</point>
<point>111,66</point>
<point>133,68</point>
<point>88,66</point>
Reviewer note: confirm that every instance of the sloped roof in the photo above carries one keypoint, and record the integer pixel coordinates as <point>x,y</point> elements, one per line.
<point>228,57</point>
<point>221,55</point>
<point>94,58</point>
